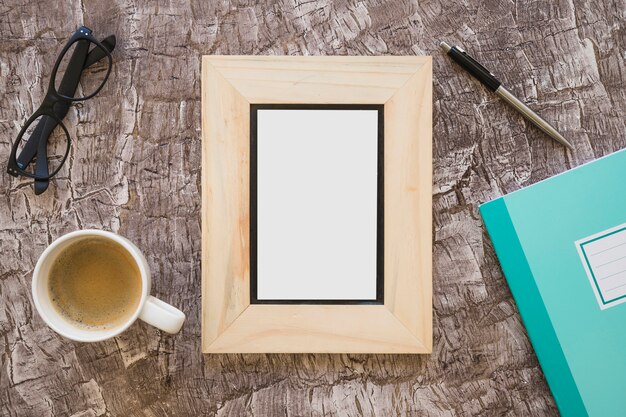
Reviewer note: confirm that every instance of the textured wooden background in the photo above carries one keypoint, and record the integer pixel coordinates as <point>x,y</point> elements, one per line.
<point>134,169</point>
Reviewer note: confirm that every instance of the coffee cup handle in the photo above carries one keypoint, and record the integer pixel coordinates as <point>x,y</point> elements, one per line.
<point>162,315</point>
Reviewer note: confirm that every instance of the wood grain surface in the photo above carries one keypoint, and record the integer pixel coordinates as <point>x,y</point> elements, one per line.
<point>134,168</point>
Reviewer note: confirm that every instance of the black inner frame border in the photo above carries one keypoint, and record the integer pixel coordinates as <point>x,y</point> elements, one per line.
<point>380,214</point>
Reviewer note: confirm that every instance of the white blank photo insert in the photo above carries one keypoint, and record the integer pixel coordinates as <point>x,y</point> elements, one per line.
<point>316,204</point>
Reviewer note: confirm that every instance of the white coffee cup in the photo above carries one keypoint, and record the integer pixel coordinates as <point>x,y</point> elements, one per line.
<point>150,309</point>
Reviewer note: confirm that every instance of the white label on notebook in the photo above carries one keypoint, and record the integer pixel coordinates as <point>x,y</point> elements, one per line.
<point>604,257</point>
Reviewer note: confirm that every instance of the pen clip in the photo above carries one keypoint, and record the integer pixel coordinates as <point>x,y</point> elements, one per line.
<point>478,64</point>
<point>474,67</point>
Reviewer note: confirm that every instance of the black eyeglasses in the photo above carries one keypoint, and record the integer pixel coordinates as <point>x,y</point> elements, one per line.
<point>41,147</point>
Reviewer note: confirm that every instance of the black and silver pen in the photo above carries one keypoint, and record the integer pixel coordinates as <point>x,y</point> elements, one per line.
<point>484,76</point>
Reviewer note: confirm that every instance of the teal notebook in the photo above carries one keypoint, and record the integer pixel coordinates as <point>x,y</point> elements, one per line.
<point>562,247</point>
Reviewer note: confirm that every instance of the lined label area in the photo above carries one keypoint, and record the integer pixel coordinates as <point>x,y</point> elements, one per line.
<point>604,258</point>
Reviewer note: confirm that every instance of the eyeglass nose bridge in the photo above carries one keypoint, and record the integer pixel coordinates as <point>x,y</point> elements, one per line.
<point>52,101</point>
<point>49,101</point>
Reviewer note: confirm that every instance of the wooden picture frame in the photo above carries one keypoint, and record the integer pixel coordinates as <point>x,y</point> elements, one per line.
<point>230,323</point>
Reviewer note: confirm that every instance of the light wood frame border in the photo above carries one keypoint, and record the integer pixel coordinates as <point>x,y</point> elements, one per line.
<point>230,324</point>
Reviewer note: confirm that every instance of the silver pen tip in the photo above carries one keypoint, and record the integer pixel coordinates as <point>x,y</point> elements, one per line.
<point>568,144</point>
<point>557,136</point>
<point>445,46</point>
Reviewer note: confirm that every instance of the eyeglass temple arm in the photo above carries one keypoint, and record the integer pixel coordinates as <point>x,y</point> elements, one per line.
<point>96,54</point>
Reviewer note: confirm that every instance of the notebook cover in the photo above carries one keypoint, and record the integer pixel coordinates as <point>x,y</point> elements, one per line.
<point>536,231</point>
